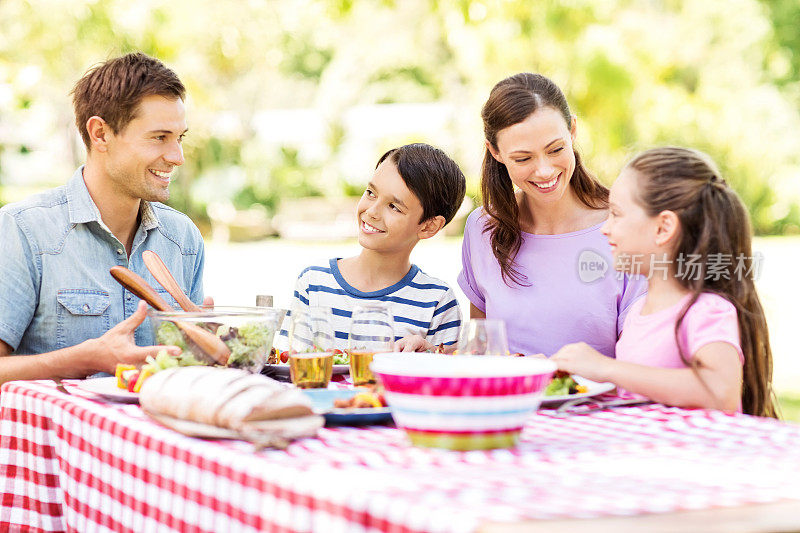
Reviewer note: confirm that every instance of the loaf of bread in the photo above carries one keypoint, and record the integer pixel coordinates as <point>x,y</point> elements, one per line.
<point>227,398</point>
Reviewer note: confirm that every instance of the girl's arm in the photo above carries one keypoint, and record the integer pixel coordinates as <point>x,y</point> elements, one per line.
<point>717,383</point>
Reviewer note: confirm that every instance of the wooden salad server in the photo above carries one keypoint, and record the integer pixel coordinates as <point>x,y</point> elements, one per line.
<point>205,341</point>
<point>161,273</point>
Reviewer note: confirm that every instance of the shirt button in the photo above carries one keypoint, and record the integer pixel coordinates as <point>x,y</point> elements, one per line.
<point>127,296</point>
<point>86,307</point>
<point>120,251</point>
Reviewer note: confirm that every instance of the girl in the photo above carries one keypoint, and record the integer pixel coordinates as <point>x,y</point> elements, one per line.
<point>699,337</point>
<point>533,255</point>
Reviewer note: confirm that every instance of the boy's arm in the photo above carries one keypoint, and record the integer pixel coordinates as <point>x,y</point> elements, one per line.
<point>446,321</point>
<point>299,301</point>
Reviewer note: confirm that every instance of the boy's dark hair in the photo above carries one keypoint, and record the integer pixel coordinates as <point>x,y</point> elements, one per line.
<point>114,89</point>
<point>432,176</point>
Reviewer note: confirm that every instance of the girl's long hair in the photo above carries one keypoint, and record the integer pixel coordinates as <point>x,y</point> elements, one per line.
<point>714,228</point>
<point>511,101</point>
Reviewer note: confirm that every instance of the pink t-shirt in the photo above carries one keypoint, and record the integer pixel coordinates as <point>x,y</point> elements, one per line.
<point>574,293</point>
<point>650,339</point>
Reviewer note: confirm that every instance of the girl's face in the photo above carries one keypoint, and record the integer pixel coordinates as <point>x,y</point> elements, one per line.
<point>538,154</point>
<point>630,230</point>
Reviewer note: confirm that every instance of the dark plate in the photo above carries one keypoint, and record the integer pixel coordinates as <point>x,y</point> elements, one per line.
<point>322,400</point>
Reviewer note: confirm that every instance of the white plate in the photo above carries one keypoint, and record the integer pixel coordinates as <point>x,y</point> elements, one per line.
<point>283,369</point>
<point>107,387</point>
<point>595,388</point>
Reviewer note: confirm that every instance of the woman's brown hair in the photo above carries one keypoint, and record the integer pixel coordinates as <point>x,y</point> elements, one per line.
<point>512,101</point>
<point>714,227</point>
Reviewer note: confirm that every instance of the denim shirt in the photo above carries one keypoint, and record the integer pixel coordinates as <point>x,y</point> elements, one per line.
<point>55,256</point>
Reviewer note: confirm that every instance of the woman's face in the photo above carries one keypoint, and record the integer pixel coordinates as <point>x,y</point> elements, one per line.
<point>538,154</point>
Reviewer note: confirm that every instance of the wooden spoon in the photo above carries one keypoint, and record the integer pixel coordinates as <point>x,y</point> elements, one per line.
<point>205,341</point>
<point>159,270</point>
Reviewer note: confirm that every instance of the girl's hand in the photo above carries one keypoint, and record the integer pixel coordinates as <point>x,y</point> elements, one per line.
<point>413,343</point>
<point>582,359</point>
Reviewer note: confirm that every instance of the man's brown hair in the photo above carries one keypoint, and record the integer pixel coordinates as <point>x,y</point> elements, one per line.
<point>114,89</point>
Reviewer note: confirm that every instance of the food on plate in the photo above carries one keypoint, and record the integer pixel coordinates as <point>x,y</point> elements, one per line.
<point>229,398</point>
<point>339,357</point>
<point>131,378</point>
<point>247,343</point>
<point>563,384</point>
<point>369,399</point>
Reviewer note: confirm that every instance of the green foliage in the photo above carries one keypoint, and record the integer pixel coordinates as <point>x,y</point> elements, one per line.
<point>789,407</point>
<point>727,83</point>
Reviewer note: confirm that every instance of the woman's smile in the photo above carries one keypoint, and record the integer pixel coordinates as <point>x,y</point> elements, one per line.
<point>548,186</point>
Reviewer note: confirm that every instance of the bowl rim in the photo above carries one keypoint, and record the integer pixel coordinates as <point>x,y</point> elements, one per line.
<point>219,310</point>
<point>451,366</point>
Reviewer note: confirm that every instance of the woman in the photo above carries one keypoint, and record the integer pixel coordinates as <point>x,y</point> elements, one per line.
<point>534,255</point>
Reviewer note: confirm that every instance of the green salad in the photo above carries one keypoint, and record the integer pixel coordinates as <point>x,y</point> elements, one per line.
<point>248,343</point>
<point>562,385</point>
<point>164,360</point>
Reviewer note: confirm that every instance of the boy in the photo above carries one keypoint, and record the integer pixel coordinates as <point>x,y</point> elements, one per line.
<point>415,191</point>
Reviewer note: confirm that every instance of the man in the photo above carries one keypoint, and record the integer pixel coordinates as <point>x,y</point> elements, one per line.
<point>58,302</point>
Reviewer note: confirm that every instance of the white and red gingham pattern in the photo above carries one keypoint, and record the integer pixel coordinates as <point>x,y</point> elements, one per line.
<point>80,464</point>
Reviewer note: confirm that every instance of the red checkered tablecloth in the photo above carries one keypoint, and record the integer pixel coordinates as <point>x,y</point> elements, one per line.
<point>79,463</point>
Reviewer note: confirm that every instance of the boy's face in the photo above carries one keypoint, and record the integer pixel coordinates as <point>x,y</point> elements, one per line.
<point>141,157</point>
<point>388,212</point>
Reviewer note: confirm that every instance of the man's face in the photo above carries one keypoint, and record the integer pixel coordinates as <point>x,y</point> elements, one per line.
<point>142,156</point>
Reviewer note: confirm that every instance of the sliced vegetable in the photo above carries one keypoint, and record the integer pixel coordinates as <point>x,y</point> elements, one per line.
<point>122,384</point>
<point>143,375</point>
<point>132,378</point>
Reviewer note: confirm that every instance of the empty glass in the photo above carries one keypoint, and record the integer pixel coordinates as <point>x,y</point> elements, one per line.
<point>483,336</point>
<point>371,332</point>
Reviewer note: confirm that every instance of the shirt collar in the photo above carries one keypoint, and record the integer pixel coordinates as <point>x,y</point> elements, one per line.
<point>82,208</point>
<point>147,216</point>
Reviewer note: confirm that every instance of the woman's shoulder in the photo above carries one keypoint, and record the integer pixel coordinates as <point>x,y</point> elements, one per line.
<point>476,222</point>
<point>477,214</point>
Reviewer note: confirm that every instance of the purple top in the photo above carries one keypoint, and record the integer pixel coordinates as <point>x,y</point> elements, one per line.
<point>574,293</point>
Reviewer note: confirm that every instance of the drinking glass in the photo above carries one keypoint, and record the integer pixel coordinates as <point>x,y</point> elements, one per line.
<point>483,336</point>
<point>371,332</point>
<point>311,348</point>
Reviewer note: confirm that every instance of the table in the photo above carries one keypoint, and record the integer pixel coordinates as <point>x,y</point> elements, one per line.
<point>77,463</point>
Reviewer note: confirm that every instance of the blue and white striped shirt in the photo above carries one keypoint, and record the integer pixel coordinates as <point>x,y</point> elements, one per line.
<point>420,304</point>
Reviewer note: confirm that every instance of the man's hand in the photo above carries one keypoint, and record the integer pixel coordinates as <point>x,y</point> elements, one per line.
<point>582,359</point>
<point>117,345</point>
<point>413,343</point>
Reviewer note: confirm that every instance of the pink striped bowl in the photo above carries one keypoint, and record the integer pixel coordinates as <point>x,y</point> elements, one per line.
<point>462,402</point>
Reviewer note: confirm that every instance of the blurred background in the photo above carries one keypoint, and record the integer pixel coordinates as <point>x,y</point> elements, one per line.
<point>291,102</point>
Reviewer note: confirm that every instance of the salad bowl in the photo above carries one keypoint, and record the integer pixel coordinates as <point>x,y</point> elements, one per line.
<point>248,333</point>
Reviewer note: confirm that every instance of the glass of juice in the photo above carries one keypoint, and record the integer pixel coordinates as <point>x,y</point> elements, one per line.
<point>311,347</point>
<point>311,370</point>
<point>371,332</point>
